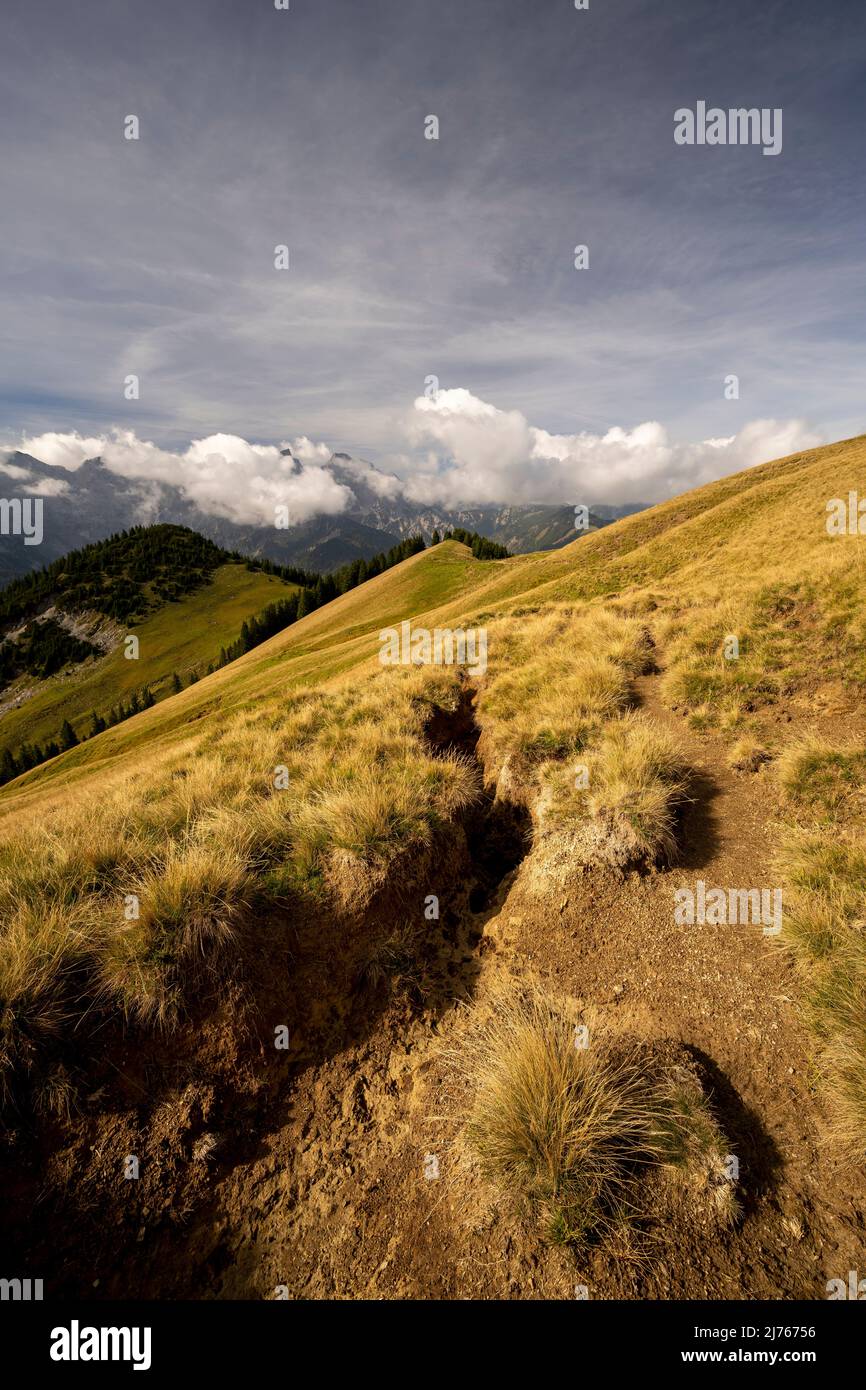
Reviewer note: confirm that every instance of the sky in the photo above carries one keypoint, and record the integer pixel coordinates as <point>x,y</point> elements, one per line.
<point>431,319</point>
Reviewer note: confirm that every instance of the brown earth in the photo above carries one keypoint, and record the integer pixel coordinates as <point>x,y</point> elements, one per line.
<point>313,1173</point>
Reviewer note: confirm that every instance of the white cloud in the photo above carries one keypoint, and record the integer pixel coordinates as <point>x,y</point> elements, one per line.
<point>473,452</point>
<point>36,487</point>
<point>60,450</point>
<point>308,452</point>
<point>483,454</point>
<point>48,487</point>
<point>223,474</point>
<point>366,475</point>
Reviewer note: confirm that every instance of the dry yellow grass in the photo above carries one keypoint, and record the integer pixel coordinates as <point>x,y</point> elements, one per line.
<point>553,1123</point>
<point>619,806</point>
<point>747,754</point>
<point>126,896</point>
<point>555,679</point>
<point>638,776</point>
<point>567,635</point>
<point>823,860</point>
<point>572,1120</point>
<point>321,794</point>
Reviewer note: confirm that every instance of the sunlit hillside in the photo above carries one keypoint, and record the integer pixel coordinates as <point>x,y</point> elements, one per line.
<point>181,638</point>
<point>307,789</point>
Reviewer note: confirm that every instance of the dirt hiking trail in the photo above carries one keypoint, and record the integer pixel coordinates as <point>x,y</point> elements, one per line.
<point>341,1205</point>
<point>343,1175</point>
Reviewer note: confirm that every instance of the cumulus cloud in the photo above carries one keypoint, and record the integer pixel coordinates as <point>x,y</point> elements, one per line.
<point>480,453</point>
<point>467,451</point>
<point>61,450</point>
<point>223,475</point>
<point>308,452</point>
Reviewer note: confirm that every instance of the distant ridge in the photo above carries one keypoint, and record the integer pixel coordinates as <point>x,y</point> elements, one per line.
<point>92,503</point>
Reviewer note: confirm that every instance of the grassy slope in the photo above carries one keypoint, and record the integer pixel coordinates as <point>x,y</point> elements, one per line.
<point>179,637</point>
<point>727,538</point>
<point>362,781</point>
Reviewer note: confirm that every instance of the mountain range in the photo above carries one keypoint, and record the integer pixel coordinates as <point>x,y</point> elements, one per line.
<point>93,502</point>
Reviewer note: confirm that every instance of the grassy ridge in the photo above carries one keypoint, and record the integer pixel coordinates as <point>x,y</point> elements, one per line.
<point>178,637</point>
<point>567,633</point>
<point>678,561</point>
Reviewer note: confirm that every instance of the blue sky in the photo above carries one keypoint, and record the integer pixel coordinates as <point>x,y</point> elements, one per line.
<point>412,258</point>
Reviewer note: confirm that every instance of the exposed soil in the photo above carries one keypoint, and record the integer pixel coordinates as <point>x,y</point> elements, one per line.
<point>730,994</point>
<point>335,1169</point>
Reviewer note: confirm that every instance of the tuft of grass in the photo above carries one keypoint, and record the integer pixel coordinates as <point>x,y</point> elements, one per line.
<point>559,1126</point>
<point>693,1144</point>
<point>190,905</point>
<point>45,951</point>
<point>637,782</point>
<point>55,1094</point>
<point>586,1137</point>
<point>747,754</point>
<point>638,776</point>
<point>838,1006</point>
<point>395,959</point>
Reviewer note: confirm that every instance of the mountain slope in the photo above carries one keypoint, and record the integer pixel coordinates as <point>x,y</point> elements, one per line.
<point>701,547</point>
<point>62,627</point>
<point>296,814</point>
<point>184,637</point>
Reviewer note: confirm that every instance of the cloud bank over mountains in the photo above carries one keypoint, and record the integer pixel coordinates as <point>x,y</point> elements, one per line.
<point>497,456</point>
<point>465,452</point>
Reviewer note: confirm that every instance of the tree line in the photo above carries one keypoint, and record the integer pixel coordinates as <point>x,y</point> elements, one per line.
<point>481,547</point>
<point>124,577</point>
